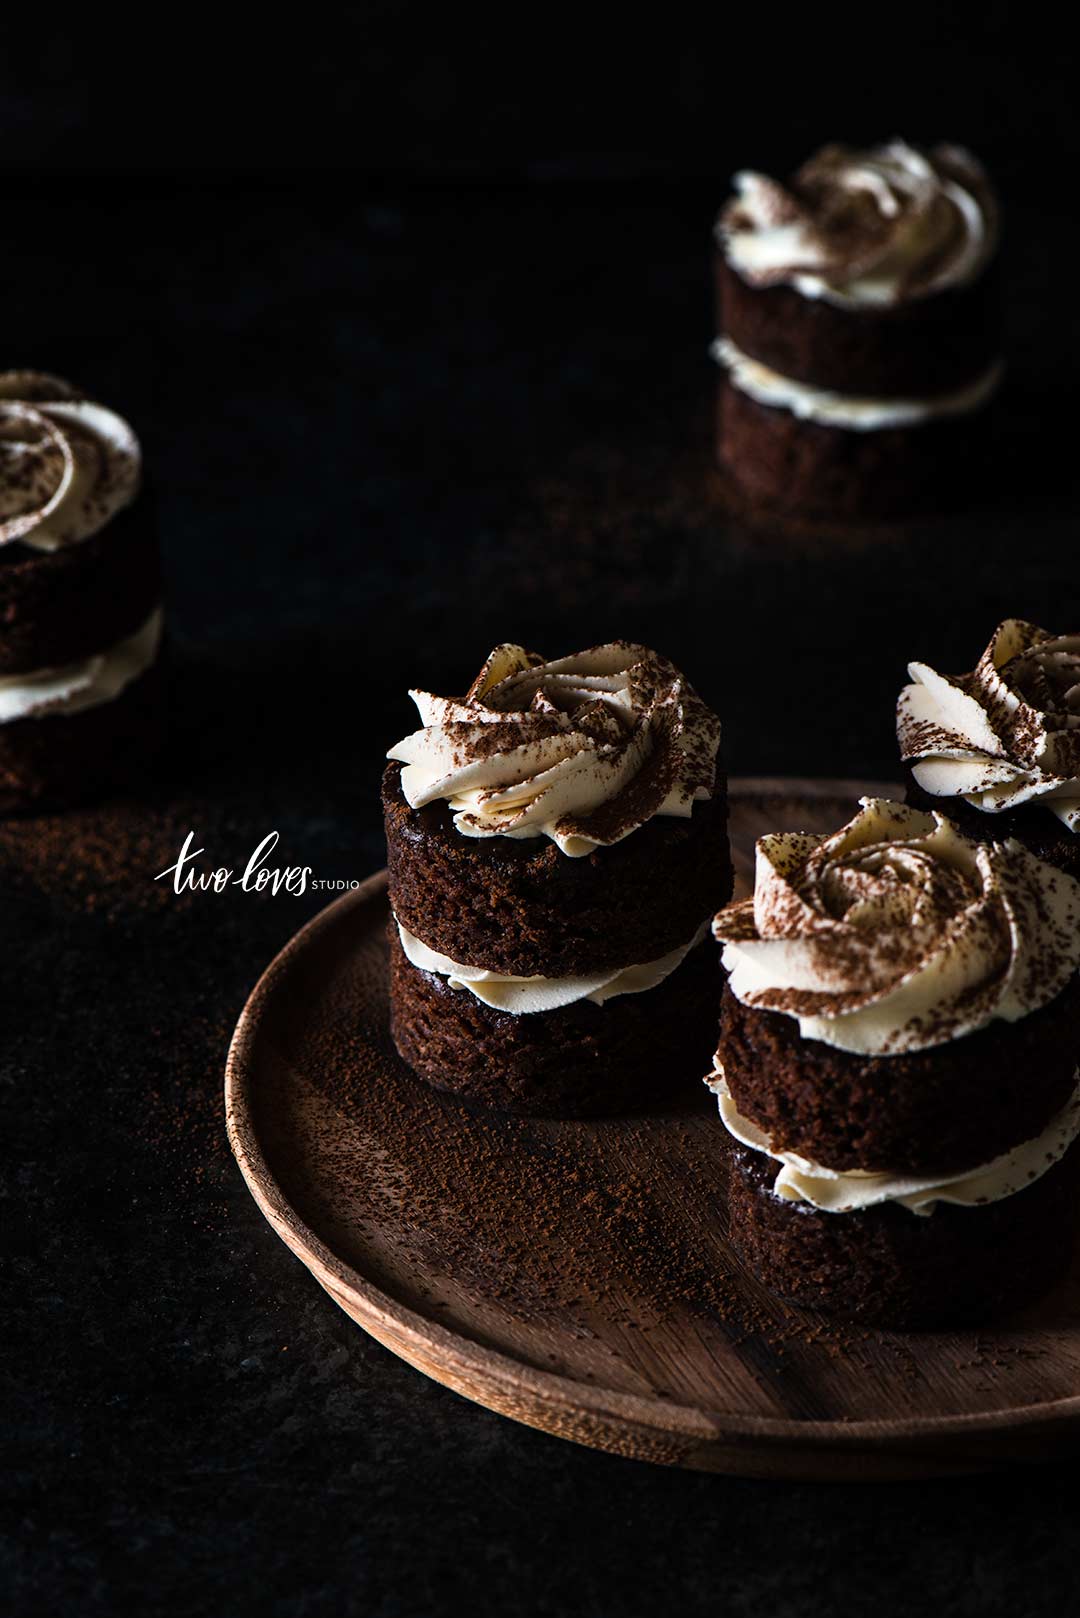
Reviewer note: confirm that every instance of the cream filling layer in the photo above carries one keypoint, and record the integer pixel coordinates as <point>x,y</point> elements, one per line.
<point>851,411</point>
<point>799,1179</point>
<point>81,685</point>
<point>524,996</point>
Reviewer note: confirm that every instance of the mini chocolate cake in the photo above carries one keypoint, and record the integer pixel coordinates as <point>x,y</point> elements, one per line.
<point>555,840</point>
<point>998,749</point>
<point>859,331</point>
<point>80,614</point>
<point>897,1070</point>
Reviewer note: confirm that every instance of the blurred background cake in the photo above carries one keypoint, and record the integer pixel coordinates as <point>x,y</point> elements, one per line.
<point>897,1070</point>
<point>998,748</point>
<point>858,330</point>
<point>555,840</point>
<point>80,597</point>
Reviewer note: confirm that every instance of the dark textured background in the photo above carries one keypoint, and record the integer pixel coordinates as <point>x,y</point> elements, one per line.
<point>413,323</point>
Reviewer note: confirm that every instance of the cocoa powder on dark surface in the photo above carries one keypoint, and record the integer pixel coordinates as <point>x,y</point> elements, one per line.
<point>101,860</point>
<point>619,1218</point>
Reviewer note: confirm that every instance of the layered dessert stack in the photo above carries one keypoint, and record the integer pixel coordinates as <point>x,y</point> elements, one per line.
<point>897,1069</point>
<point>80,597</point>
<point>858,330</point>
<point>556,841</point>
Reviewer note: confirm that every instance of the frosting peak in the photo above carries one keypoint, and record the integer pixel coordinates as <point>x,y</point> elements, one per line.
<point>1007,733</point>
<point>583,750</point>
<point>67,465</point>
<point>897,933</point>
<point>873,226</point>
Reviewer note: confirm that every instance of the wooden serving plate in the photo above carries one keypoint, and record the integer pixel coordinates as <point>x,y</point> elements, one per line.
<point>574,1276</point>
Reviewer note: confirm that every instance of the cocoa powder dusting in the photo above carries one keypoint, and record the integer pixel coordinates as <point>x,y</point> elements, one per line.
<point>100,860</point>
<point>169,1007</point>
<point>613,1222</point>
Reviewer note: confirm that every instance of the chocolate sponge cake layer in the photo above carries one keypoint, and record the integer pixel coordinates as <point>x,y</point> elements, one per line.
<point>580,1060</point>
<point>521,906</point>
<point>912,349</point>
<point>57,607</point>
<point>55,759</point>
<point>794,466</point>
<point>952,1107</point>
<point>1032,824</point>
<point>886,1266</point>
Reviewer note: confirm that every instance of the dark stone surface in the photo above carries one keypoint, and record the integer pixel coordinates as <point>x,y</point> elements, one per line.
<point>387,431</point>
<point>393,88</point>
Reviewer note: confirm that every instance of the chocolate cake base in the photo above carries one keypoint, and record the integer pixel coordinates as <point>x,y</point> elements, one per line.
<point>62,759</point>
<point>57,607</point>
<point>521,906</point>
<point>800,468</point>
<point>919,1112</point>
<point>578,1061</point>
<point>1040,831</point>
<point>889,1267</point>
<point>906,350</point>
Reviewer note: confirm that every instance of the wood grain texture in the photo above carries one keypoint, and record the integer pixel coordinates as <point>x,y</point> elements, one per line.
<point>377,1184</point>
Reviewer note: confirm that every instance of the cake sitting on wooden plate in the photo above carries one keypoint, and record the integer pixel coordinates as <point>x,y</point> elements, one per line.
<point>80,597</point>
<point>557,841</point>
<point>897,1069</point>
<point>998,748</point>
<point>859,332</point>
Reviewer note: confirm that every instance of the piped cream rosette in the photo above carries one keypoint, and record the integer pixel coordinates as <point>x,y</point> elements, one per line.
<point>67,465</point>
<point>1006,734</point>
<point>897,933</point>
<point>864,227</point>
<point>583,750</point>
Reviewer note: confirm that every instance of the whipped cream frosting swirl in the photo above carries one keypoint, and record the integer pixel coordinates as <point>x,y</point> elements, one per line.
<point>897,933</point>
<point>583,750</point>
<point>871,227</point>
<point>1006,734</point>
<point>67,465</point>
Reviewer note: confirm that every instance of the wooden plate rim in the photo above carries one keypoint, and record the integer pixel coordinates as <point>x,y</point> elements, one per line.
<point>458,1354</point>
